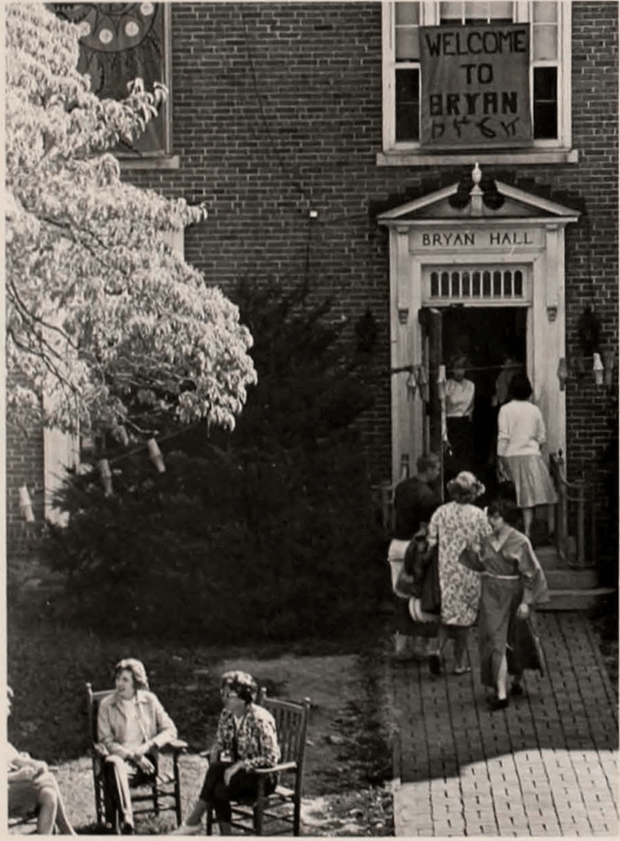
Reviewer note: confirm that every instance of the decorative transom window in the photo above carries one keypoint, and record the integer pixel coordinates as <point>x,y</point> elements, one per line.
<point>120,42</point>
<point>548,24</point>
<point>488,284</point>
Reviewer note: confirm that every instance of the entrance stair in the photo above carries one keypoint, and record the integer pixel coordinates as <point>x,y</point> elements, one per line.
<point>570,588</point>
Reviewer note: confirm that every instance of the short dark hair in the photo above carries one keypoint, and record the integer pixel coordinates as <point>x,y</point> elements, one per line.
<point>520,387</point>
<point>426,461</point>
<point>242,684</point>
<point>506,508</point>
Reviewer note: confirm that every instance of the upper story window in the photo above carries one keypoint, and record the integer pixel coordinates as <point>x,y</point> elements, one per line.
<point>120,42</point>
<point>544,29</point>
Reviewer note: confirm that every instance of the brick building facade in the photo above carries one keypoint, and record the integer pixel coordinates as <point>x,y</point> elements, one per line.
<point>293,123</point>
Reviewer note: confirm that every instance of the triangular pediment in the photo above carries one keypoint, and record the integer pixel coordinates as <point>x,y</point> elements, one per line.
<point>507,203</point>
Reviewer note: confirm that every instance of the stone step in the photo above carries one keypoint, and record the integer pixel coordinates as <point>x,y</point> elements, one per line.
<point>572,579</point>
<point>575,599</point>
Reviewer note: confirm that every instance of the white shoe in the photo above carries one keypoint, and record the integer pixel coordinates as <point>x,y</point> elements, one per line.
<point>185,829</point>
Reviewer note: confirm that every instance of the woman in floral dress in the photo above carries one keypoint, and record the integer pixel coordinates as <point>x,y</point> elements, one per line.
<point>454,526</point>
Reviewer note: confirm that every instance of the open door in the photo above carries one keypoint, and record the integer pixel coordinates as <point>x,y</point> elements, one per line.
<point>430,319</point>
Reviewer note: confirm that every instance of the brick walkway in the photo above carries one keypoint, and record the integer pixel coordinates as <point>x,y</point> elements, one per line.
<point>546,766</point>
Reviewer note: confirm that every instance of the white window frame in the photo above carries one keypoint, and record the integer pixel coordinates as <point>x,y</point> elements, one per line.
<point>407,153</point>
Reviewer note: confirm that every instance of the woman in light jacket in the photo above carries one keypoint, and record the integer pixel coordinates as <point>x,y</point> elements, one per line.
<point>132,725</point>
<point>513,582</point>
<point>520,436</point>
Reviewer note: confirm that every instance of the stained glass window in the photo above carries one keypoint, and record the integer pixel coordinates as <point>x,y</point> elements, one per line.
<point>120,42</point>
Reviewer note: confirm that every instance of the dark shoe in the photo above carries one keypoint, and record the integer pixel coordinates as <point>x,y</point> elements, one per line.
<point>516,690</point>
<point>498,704</point>
<point>434,664</point>
<point>127,829</point>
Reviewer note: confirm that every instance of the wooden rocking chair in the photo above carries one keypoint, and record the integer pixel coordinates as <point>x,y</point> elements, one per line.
<point>281,811</point>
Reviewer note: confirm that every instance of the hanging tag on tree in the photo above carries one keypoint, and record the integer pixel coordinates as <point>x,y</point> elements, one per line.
<point>25,505</point>
<point>106,476</point>
<point>156,456</point>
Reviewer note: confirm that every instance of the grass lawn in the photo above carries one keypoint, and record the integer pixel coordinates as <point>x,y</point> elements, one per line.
<point>49,664</point>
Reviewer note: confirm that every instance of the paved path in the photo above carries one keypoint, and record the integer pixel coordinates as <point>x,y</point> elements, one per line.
<point>547,766</point>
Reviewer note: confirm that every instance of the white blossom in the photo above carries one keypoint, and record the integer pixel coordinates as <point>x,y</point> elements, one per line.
<point>97,305</point>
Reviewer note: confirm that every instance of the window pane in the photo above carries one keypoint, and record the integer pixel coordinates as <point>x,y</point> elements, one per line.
<point>486,284</point>
<point>466,284</point>
<point>434,285</point>
<point>544,11</point>
<point>545,102</point>
<point>445,285</point>
<point>408,104</point>
<point>501,10</point>
<point>451,11</point>
<point>497,284</point>
<point>475,284</point>
<point>518,283</point>
<point>545,42</point>
<point>507,284</point>
<point>407,43</point>
<point>479,10</point>
<point>456,291</point>
<point>407,13</point>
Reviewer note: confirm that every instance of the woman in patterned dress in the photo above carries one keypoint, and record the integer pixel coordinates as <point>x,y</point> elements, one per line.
<point>454,526</point>
<point>246,739</point>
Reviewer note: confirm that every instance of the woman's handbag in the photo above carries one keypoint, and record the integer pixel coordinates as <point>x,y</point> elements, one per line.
<point>405,584</point>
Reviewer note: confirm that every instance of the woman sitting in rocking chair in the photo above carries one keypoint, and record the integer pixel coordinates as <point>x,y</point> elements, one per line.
<point>246,739</point>
<point>132,724</point>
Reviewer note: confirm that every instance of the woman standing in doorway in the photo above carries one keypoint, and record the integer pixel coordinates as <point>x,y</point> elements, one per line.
<point>521,432</point>
<point>460,393</point>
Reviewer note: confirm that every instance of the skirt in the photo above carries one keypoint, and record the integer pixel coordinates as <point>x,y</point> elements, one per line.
<point>531,479</point>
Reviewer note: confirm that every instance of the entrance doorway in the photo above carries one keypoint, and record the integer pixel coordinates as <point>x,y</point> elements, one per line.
<point>486,336</point>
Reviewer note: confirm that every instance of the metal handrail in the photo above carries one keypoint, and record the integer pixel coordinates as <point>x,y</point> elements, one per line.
<point>582,493</point>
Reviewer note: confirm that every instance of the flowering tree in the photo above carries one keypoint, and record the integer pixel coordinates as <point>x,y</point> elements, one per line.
<point>99,310</point>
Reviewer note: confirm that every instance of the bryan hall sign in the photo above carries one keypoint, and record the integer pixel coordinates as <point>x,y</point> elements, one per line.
<point>475,86</point>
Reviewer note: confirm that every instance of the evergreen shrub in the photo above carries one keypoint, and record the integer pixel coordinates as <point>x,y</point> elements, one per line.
<point>268,532</point>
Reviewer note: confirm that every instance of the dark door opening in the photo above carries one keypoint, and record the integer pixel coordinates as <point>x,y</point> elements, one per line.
<point>485,335</point>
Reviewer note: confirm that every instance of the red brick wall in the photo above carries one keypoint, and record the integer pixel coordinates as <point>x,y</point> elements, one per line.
<point>277,110</point>
<point>24,466</point>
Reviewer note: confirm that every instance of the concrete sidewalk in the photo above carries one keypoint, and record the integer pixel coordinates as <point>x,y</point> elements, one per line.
<point>546,766</point>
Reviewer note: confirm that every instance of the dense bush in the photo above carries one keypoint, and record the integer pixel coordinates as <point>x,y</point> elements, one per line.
<point>269,532</point>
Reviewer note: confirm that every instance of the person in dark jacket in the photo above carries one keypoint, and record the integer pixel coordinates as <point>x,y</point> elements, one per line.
<point>415,500</point>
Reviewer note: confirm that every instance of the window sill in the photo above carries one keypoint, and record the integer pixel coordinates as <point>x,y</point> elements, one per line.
<point>536,156</point>
<point>163,162</point>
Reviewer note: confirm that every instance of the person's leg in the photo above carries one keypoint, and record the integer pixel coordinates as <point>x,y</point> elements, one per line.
<point>62,821</point>
<point>214,777</point>
<point>48,805</point>
<point>437,649</point>
<point>461,636</point>
<point>551,519</point>
<point>116,791</point>
<point>528,519</point>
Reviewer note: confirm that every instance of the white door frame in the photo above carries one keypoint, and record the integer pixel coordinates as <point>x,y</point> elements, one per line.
<point>419,237</point>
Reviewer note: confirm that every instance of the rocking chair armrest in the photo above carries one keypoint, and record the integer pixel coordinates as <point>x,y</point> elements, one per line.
<point>283,766</point>
<point>175,746</point>
<point>98,749</point>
